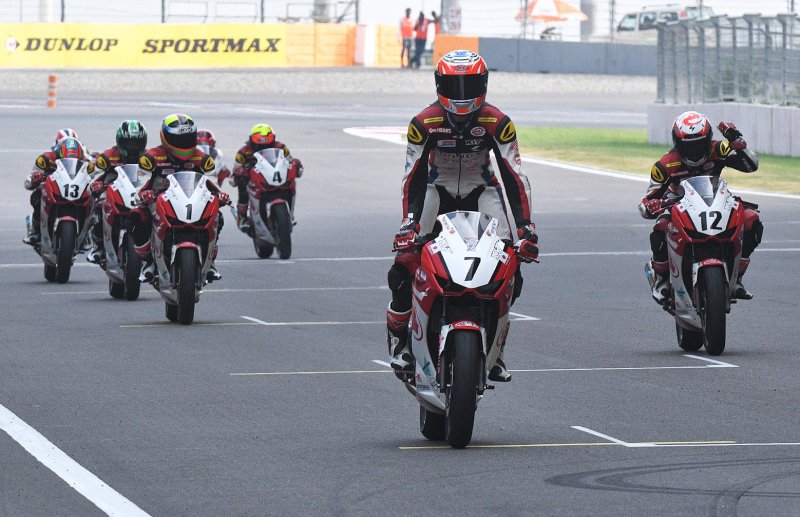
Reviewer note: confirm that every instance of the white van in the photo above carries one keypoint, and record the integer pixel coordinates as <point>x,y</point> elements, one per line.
<point>647,18</point>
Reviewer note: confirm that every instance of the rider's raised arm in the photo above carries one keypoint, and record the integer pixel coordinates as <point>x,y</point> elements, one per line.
<point>509,163</point>
<point>742,159</point>
<point>415,177</point>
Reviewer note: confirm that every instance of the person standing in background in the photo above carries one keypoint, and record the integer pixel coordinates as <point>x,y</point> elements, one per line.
<point>420,39</point>
<point>405,34</point>
<point>437,23</point>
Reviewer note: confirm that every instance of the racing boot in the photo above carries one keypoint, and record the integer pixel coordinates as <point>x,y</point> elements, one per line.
<point>499,372</point>
<point>739,292</point>
<point>659,281</point>
<point>34,235</point>
<point>148,273</point>
<point>212,274</point>
<point>242,220</point>
<point>397,340</point>
<point>97,254</point>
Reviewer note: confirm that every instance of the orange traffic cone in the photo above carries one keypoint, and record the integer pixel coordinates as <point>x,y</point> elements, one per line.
<point>52,94</point>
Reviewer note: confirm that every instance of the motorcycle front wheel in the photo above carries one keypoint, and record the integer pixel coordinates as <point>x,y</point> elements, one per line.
<point>713,307</point>
<point>186,268</point>
<point>462,387</point>
<point>283,225</point>
<point>131,267</point>
<point>66,250</point>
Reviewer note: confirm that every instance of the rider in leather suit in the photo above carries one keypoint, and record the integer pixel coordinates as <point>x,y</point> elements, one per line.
<point>448,167</point>
<point>696,153</point>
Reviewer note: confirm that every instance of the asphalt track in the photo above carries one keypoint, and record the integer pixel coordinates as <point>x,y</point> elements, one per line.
<point>273,402</point>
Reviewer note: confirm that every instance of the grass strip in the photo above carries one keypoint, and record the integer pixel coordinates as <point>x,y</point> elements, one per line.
<point>627,150</point>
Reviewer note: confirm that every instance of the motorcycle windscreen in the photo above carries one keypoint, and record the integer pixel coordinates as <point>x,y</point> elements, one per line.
<point>469,225</point>
<point>706,187</point>
<point>71,166</point>
<point>132,172</point>
<point>271,155</point>
<point>188,181</point>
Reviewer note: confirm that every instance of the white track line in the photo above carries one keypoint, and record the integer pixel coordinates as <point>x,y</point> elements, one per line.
<point>382,363</point>
<point>522,317</point>
<point>600,435</point>
<point>84,482</point>
<point>248,290</point>
<point>291,323</point>
<point>714,362</point>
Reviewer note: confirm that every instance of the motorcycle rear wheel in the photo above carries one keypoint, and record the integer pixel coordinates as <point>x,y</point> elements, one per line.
<point>713,309</point>
<point>264,251</point>
<point>283,224</point>
<point>689,340</point>
<point>131,267</point>
<point>50,273</point>
<point>66,250</point>
<point>462,387</point>
<point>116,290</point>
<point>171,311</point>
<point>186,267</point>
<point>431,425</point>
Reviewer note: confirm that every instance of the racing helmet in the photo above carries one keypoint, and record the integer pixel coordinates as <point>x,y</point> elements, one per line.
<point>179,135</point>
<point>204,136</point>
<point>131,138</point>
<point>262,135</point>
<point>62,134</point>
<point>691,136</point>
<point>70,147</point>
<point>461,81</point>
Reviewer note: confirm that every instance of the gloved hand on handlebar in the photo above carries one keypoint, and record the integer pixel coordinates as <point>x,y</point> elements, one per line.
<point>146,197</point>
<point>224,198</point>
<point>528,245</point>
<point>37,177</point>
<point>405,238</point>
<point>96,187</point>
<point>733,135</point>
<point>652,207</point>
<point>298,166</point>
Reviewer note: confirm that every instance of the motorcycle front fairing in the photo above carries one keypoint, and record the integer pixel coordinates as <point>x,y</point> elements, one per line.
<point>184,216</point>
<point>65,197</point>
<point>465,282</point>
<point>120,200</point>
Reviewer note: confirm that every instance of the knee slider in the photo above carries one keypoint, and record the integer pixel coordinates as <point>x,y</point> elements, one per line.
<point>398,277</point>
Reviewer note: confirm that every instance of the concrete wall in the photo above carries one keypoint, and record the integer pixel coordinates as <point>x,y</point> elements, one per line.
<point>515,55</point>
<point>767,129</point>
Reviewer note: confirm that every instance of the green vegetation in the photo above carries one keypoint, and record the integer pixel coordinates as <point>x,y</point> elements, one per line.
<point>627,150</point>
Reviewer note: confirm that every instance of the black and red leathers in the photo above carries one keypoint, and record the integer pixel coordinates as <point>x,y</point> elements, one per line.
<point>665,177</point>
<point>159,163</point>
<point>241,175</point>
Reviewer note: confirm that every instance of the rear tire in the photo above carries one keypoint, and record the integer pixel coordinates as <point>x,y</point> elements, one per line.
<point>713,307</point>
<point>264,251</point>
<point>171,311</point>
<point>689,340</point>
<point>187,278</point>
<point>50,273</point>
<point>131,269</point>
<point>283,224</point>
<point>462,392</point>
<point>116,290</point>
<point>431,425</point>
<point>66,249</point>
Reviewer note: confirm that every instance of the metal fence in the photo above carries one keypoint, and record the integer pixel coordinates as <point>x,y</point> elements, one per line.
<point>752,59</point>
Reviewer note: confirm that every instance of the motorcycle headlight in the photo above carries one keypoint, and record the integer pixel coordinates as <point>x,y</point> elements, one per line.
<point>489,288</point>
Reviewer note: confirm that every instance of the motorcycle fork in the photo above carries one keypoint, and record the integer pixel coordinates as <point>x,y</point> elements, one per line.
<point>445,356</point>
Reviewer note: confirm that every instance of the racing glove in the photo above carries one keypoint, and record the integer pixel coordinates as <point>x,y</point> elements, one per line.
<point>224,198</point>
<point>299,167</point>
<point>146,197</point>
<point>406,236</point>
<point>37,177</point>
<point>224,173</point>
<point>528,245</point>
<point>649,208</point>
<point>96,187</point>
<point>733,135</point>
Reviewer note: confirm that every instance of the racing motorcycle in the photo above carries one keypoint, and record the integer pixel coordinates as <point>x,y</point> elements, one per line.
<point>184,241</point>
<point>704,244</point>
<point>66,213</point>
<point>459,321</point>
<point>271,190</point>
<point>121,262</point>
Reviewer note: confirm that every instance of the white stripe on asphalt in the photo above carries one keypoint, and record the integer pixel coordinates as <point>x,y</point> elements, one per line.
<point>714,363</point>
<point>382,363</point>
<point>391,135</point>
<point>248,290</point>
<point>290,323</point>
<point>76,476</point>
<point>600,435</point>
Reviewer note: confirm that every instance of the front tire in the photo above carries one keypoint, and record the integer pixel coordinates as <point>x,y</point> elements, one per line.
<point>66,249</point>
<point>283,227</point>
<point>187,278</point>
<point>131,268</point>
<point>689,340</point>
<point>462,390</point>
<point>713,309</point>
<point>431,425</point>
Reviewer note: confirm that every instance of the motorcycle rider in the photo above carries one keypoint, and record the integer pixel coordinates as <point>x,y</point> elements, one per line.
<point>696,153</point>
<point>66,145</point>
<point>448,167</point>
<point>261,137</point>
<point>177,152</point>
<point>131,141</point>
<point>208,144</point>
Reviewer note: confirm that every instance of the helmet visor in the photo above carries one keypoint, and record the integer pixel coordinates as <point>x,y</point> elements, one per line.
<point>461,87</point>
<point>694,150</point>
<point>132,147</point>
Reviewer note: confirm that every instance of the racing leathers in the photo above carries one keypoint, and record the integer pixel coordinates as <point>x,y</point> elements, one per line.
<point>665,177</point>
<point>241,177</point>
<point>105,163</point>
<point>158,164</point>
<point>448,167</point>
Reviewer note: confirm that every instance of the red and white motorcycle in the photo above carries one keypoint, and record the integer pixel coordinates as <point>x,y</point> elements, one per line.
<point>121,263</point>
<point>184,241</point>
<point>459,321</point>
<point>271,190</point>
<point>704,244</point>
<point>66,213</point>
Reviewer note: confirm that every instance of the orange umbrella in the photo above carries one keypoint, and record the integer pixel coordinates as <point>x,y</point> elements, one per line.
<point>551,11</point>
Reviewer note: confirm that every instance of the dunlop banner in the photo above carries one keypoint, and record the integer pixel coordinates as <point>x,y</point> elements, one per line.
<point>91,45</point>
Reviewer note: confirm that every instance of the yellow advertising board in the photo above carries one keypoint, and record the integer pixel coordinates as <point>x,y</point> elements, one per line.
<point>76,45</point>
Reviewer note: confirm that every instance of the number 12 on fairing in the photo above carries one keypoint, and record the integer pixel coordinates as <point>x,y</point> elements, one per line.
<point>714,224</point>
